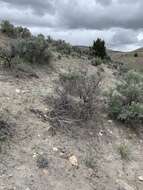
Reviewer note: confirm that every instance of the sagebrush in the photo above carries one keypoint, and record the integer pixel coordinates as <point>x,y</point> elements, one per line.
<point>126,100</point>
<point>35,51</point>
<point>77,96</point>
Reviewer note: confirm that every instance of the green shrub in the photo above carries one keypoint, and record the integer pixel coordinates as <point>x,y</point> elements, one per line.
<point>6,55</point>
<point>59,57</point>
<point>21,32</point>
<point>62,47</point>
<point>14,32</point>
<point>136,54</point>
<point>34,50</point>
<point>126,100</point>
<point>96,61</point>
<point>124,151</point>
<point>7,28</point>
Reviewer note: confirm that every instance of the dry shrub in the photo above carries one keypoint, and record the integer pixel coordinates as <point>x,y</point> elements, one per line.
<point>7,130</point>
<point>77,96</point>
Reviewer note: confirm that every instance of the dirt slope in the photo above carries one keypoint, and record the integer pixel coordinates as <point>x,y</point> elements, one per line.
<point>129,59</point>
<point>95,145</point>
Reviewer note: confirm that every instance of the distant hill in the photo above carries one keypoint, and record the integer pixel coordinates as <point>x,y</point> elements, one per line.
<point>78,46</point>
<point>129,58</point>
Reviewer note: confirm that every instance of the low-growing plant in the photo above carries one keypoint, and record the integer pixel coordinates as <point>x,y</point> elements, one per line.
<point>42,161</point>
<point>78,96</point>
<point>7,130</point>
<point>59,57</point>
<point>90,161</point>
<point>96,61</point>
<point>124,151</point>
<point>126,100</point>
<point>136,54</point>
<point>6,55</point>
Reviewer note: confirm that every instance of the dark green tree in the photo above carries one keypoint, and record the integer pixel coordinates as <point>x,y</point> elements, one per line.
<point>98,49</point>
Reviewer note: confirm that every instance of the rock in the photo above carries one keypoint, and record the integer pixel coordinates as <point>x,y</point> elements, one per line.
<point>73,160</point>
<point>110,121</point>
<point>55,149</point>
<point>140,178</point>
<point>10,175</point>
<point>45,172</point>
<point>122,185</point>
<point>110,131</point>
<point>101,133</point>
<point>17,91</point>
<point>27,188</point>
<point>35,155</point>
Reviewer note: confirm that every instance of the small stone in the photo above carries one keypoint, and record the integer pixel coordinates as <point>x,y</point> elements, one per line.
<point>27,188</point>
<point>73,160</point>
<point>55,149</point>
<point>45,172</point>
<point>140,178</point>
<point>110,131</point>
<point>101,133</point>
<point>35,155</point>
<point>10,175</point>
<point>110,121</point>
<point>17,91</point>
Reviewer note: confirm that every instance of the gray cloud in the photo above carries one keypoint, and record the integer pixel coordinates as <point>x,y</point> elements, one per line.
<point>86,14</point>
<point>120,19</point>
<point>122,37</point>
<point>104,2</point>
<point>92,16</point>
<point>38,6</point>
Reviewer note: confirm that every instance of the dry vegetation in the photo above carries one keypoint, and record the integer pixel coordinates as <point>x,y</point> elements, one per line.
<point>66,130</point>
<point>78,95</point>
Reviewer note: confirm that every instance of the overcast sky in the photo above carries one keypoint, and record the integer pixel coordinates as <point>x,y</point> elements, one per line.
<point>118,22</point>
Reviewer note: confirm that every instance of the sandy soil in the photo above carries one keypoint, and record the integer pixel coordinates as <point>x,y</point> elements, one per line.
<point>94,144</point>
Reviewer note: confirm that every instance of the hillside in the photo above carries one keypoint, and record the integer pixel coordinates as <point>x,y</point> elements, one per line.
<point>47,152</point>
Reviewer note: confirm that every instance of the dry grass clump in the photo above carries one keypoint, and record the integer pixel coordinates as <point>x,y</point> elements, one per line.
<point>124,151</point>
<point>77,96</point>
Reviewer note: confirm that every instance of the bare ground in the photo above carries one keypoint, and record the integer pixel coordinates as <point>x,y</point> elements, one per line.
<point>94,144</point>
